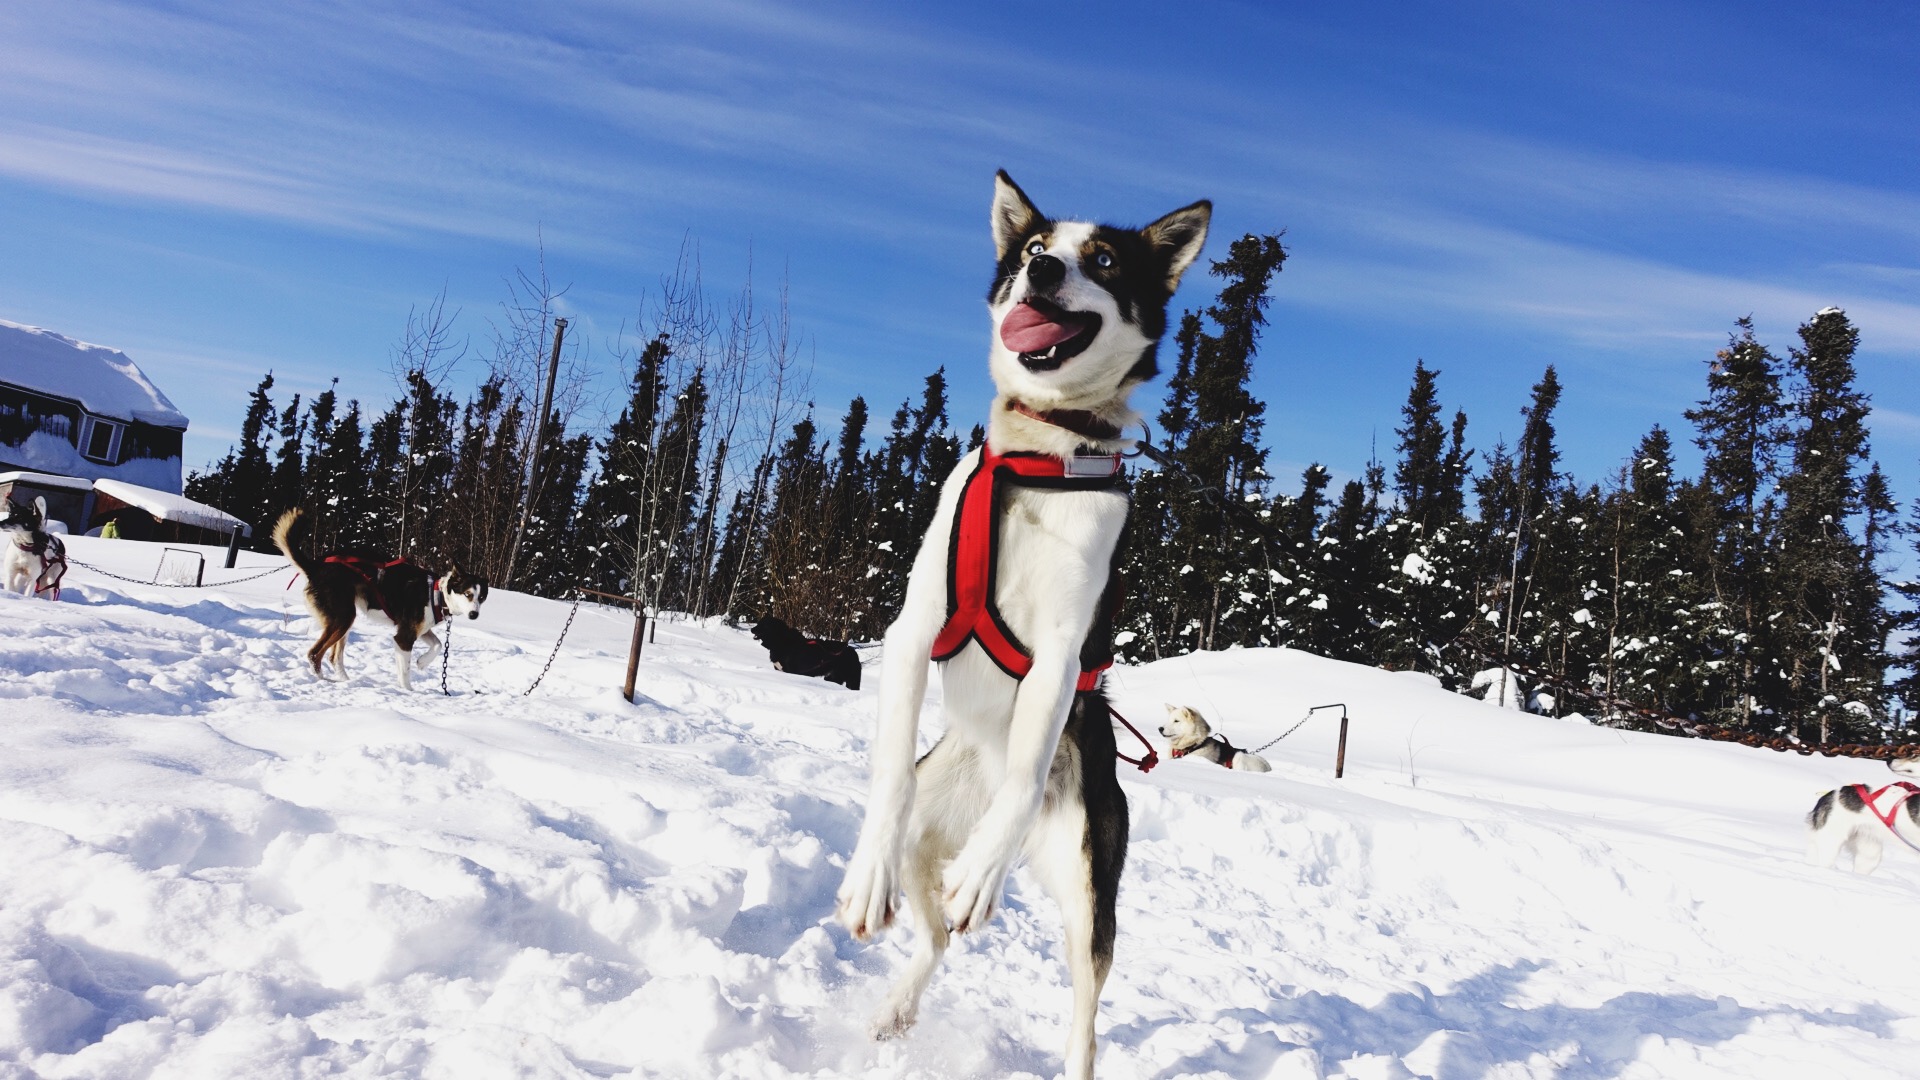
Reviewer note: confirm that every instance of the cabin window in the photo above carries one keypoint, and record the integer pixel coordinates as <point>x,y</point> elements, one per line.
<point>103,440</point>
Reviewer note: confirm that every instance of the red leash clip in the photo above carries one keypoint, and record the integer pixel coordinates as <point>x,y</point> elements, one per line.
<point>1146,762</point>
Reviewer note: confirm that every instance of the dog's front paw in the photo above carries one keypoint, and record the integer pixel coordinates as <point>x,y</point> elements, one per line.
<point>971,890</point>
<point>868,894</point>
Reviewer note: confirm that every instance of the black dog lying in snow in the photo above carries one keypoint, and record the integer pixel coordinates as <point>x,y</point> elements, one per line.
<point>797,654</point>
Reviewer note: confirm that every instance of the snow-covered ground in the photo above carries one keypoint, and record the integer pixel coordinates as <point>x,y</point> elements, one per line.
<point>212,865</point>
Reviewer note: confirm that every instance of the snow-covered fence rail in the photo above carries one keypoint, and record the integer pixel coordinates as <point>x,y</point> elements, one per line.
<point>1618,706</point>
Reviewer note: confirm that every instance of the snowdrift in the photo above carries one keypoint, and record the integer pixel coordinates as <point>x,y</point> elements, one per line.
<point>215,866</point>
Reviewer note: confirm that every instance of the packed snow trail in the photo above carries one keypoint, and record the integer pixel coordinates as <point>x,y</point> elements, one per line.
<point>215,865</point>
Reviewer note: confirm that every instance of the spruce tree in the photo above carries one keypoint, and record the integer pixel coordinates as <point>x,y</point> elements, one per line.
<point>1739,430</point>
<point>1224,578</point>
<point>1831,640</point>
<point>1517,508</point>
<point>1419,477</point>
<point>1422,578</point>
<point>611,512</point>
<point>1650,658</point>
<point>249,481</point>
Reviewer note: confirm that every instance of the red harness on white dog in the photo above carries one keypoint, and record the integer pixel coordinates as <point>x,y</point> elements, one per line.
<point>40,550</point>
<point>1887,816</point>
<point>972,614</point>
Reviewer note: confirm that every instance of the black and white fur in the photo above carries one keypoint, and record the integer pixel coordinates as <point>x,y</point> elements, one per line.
<point>797,654</point>
<point>401,596</point>
<point>34,559</point>
<point>1189,735</point>
<point>1841,821</point>
<point>1025,768</point>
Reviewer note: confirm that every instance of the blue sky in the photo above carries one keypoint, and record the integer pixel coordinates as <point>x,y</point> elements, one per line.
<point>221,188</point>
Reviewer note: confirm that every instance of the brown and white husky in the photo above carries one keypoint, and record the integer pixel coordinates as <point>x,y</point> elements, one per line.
<point>343,585</point>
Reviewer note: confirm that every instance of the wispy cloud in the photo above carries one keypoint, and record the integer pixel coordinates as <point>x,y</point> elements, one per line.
<point>861,141</point>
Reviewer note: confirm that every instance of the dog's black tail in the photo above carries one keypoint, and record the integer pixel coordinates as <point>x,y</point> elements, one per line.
<point>289,535</point>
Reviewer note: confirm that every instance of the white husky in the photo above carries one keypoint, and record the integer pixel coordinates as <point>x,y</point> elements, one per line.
<point>1007,591</point>
<point>34,560</point>
<point>1189,735</point>
<point>1860,819</point>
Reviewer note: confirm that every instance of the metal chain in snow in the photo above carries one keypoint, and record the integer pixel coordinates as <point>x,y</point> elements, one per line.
<point>555,654</point>
<point>1336,705</point>
<point>1282,735</point>
<point>179,584</point>
<point>446,650</point>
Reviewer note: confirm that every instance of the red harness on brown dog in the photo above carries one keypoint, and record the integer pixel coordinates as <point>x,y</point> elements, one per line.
<point>437,604</point>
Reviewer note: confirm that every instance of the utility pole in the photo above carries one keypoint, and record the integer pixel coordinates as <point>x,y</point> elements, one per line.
<point>533,459</point>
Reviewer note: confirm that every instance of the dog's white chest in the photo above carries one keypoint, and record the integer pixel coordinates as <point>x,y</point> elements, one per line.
<point>1055,553</point>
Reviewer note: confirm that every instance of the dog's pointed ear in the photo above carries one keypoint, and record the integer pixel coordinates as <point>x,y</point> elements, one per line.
<point>1014,215</point>
<point>40,506</point>
<point>1178,238</point>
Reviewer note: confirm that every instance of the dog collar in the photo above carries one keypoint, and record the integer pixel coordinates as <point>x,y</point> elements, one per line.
<point>1029,465</point>
<point>1085,424</point>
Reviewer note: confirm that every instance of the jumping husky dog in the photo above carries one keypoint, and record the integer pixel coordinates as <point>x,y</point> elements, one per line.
<point>1006,591</point>
<point>34,560</point>
<point>346,584</point>
<point>1189,735</point>
<point>1858,818</point>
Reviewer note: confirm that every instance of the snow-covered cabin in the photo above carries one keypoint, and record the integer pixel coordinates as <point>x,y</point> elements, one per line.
<point>74,409</point>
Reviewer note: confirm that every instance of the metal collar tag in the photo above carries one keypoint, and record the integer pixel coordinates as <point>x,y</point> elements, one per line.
<point>1092,465</point>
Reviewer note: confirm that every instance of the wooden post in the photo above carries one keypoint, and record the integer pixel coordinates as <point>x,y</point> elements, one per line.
<point>633,655</point>
<point>233,547</point>
<point>653,627</point>
<point>633,650</point>
<point>1340,755</point>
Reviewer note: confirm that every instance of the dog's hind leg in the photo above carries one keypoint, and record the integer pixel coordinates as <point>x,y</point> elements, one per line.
<point>332,639</point>
<point>922,874</point>
<point>1059,859</point>
<point>949,798</point>
<point>1825,837</point>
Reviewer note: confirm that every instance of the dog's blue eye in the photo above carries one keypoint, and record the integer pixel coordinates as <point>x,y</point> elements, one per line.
<point>1103,260</point>
<point>1036,248</point>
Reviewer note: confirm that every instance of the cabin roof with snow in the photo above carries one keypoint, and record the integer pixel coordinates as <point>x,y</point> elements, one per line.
<point>106,382</point>
<point>87,411</point>
<point>166,506</point>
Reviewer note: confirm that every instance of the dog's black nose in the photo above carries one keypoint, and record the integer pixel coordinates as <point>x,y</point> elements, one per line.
<point>473,614</point>
<point>1045,271</point>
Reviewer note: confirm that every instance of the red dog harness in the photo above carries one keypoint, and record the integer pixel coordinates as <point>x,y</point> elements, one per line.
<point>1228,751</point>
<point>972,557</point>
<point>39,549</point>
<point>359,563</point>
<point>1907,791</point>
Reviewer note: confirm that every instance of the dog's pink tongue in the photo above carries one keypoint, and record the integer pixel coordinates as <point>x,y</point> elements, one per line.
<point>1027,329</point>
